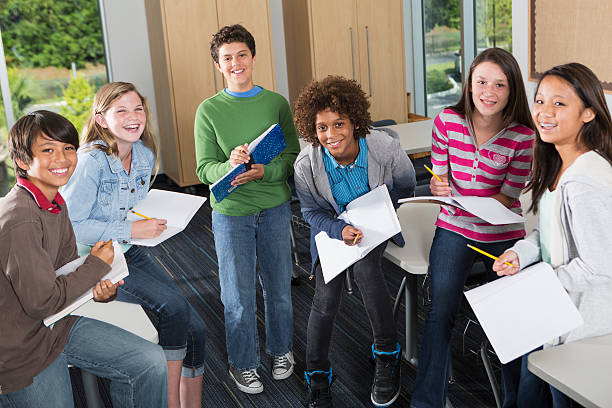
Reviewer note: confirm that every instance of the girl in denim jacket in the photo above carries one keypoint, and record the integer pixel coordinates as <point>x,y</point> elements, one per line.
<point>116,160</point>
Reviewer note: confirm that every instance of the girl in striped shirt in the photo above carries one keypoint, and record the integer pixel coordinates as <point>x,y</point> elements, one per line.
<point>480,147</point>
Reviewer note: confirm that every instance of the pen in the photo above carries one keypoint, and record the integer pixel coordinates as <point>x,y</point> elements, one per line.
<point>487,254</point>
<point>143,216</point>
<point>432,173</point>
<point>356,238</point>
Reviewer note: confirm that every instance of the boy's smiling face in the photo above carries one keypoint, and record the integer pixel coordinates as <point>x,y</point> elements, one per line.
<point>51,166</point>
<point>236,64</point>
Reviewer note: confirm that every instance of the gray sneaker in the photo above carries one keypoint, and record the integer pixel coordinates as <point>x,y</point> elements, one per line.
<point>246,381</point>
<point>282,366</point>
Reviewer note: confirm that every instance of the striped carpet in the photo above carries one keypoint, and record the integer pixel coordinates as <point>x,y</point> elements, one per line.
<point>190,259</point>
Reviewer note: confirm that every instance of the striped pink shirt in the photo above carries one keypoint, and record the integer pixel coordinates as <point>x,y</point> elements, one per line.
<point>500,165</point>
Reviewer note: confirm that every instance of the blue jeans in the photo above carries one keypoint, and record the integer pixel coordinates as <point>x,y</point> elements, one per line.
<point>181,329</point>
<point>249,247</point>
<point>450,262</point>
<point>369,277</point>
<point>135,366</point>
<point>522,388</point>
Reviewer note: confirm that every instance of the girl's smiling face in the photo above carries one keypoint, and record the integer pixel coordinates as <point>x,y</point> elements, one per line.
<point>125,118</point>
<point>490,91</point>
<point>559,113</point>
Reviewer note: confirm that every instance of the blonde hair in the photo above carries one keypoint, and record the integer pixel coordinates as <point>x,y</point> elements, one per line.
<point>92,131</point>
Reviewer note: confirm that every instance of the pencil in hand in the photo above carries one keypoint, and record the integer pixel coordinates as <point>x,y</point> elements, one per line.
<point>488,254</point>
<point>432,173</point>
<point>356,238</point>
<point>140,215</point>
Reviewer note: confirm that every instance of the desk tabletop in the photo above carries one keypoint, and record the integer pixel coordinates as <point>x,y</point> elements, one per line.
<point>415,137</point>
<point>417,221</point>
<point>128,316</point>
<point>580,369</point>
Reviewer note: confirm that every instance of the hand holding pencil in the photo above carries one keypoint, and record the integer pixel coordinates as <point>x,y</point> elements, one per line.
<point>507,263</point>
<point>104,250</point>
<point>351,235</point>
<point>439,184</point>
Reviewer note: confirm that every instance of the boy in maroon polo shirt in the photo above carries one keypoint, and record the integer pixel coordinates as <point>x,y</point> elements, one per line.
<point>36,238</point>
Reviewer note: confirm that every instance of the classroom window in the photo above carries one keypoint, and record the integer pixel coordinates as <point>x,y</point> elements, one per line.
<point>447,35</point>
<point>54,60</point>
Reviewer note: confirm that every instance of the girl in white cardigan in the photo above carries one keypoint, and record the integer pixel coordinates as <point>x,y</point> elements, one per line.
<point>571,189</point>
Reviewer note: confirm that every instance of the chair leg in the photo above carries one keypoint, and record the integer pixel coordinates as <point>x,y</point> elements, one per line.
<point>349,282</point>
<point>489,369</point>
<point>398,298</point>
<point>90,387</point>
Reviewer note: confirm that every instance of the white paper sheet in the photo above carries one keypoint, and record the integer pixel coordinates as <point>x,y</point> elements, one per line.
<point>522,312</point>
<point>177,208</point>
<point>119,270</point>
<point>485,208</point>
<point>374,215</point>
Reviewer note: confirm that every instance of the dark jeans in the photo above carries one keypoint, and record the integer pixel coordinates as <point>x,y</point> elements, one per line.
<point>523,389</point>
<point>368,275</point>
<point>181,329</point>
<point>450,262</point>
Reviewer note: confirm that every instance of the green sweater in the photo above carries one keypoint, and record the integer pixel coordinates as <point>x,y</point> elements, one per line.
<point>223,122</point>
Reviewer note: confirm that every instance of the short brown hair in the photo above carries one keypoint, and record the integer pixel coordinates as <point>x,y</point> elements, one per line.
<point>230,34</point>
<point>338,94</point>
<point>24,132</point>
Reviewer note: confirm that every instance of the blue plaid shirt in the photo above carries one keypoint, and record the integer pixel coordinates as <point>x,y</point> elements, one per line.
<point>350,181</point>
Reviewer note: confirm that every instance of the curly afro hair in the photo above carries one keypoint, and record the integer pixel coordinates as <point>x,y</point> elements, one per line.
<point>230,34</point>
<point>340,95</point>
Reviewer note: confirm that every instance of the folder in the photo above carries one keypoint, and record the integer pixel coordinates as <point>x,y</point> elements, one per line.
<point>119,270</point>
<point>266,147</point>
<point>521,312</point>
<point>176,208</point>
<point>374,215</point>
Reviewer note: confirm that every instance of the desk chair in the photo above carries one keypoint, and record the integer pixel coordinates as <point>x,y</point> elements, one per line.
<point>128,316</point>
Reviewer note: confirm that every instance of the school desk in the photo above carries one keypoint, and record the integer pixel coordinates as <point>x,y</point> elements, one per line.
<point>579,369</point>
<point>128,316</point>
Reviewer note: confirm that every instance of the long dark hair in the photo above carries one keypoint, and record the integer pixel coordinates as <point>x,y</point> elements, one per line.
<point>594,135</point>
<point>517,108</point>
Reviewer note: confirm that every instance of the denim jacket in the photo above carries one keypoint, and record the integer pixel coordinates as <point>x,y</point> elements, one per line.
<point>101,193</point>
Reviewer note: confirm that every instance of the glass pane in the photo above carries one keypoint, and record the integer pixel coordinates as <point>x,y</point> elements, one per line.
<point>6,169</point>
<point>442,53</point>
<point>54,55</point>
<point>494,24</point>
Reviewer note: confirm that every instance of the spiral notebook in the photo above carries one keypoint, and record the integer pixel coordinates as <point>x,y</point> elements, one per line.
<point>266,147</point>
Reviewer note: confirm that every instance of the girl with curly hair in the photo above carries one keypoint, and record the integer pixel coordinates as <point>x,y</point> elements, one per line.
<point>346,159</point>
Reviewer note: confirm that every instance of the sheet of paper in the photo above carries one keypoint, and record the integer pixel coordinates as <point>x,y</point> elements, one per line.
<point>522,312</point>
<point>374,215</point>
<point>119,270</point>
<point>177,208</point>
<point>485,208</point>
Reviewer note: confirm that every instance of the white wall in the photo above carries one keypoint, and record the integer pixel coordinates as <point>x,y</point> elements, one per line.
<point>128,45</point>
<point>520,45</point>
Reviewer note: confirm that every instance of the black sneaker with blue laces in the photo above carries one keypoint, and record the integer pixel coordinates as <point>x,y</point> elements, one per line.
<point>318,385</point>
<point>387,376</point>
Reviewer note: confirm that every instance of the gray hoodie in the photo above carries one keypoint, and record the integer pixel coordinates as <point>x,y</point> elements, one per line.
<point>586,222</point>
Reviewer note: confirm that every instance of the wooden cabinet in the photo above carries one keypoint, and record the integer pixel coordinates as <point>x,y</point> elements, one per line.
<point>358,39</point>
<point>183,70</point>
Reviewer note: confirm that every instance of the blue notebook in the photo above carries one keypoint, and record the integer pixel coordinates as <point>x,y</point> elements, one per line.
<point>263,149</point>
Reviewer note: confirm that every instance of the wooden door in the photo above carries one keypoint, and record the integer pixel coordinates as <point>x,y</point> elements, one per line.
<point>334,38</point>
<point>254,15</point>
<point>381,55</point>
<point>189,25</point>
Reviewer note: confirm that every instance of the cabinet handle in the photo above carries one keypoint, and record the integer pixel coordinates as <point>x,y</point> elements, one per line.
<point>352,52</point>
<point>214,76</point>
<point>368,49</point>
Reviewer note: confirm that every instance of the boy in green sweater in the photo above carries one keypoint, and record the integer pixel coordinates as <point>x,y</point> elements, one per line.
<point>251,225</point>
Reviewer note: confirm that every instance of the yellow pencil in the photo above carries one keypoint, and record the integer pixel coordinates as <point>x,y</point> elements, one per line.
<point>487,254</point>
<point>432,173</point>
<point>143,216</point>
<point>356,238</point>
